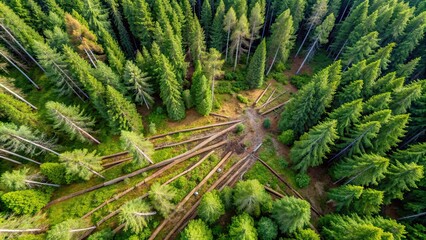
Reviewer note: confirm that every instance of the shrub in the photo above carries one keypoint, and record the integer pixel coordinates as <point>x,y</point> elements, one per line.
<point>283,162</point>
<point>287,137</point>
<point>223,87</point>
<point>300,80</point>
<point>267,229</point>
<point>55,172</point>
<point>302,180</point>
<point>242,99</point>
<point>240,128</point>
<point>267,123</point>
<point>152,128</point>
<point>239,86</point>
<point>25,201</point>
<point>187,98</point>
<point>279,77</point>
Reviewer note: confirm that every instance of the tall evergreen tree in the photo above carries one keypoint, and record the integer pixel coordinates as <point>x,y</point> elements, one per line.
<point>138,84</point>
<point>382,84</point>
<point>383,54</point>
<point>281,41</point>
<point>255,24</point>
<point>313,146</point>
<point>401,177</point>
<point>349,93</point>
<point>161,198</point>
<point>369,202</point>
<point>242,227</point>
<point>402,98</point>
<point>377,102</point>
<point>197,44</point>
<point>206,19</point>
<point>347,115</point>
<point>344,196</point>
<point>81,163</point>
<point>366,169</point>
<point>119,24</point>
<point>381,116</point>
<point>16,111</point>
<point>170,91</point>
<point>197,230</point>
<point>229,24</point>
<point>217,35</point>
<point>140,20</point>
<point>256,69</point>
<point>407,69</point>
<point>212,65</point>
<point>21,180</point>
<point>135,215</point>
<point>292,213</point>
<point>390,133</point>
<point>250,197</point>
<point>239,38</point>
<point>211,207</point>
<point>361,49</point>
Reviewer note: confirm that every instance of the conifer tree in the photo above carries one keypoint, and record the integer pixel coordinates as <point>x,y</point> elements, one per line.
<point>16,111</point>
<point>256,69</point>
<point>383,54</point>
<point>250,197</point>
<point>359,139</point>
<point>281,40</point>
<point>206,19</point>
<point>135,215</point>
<point>407,69</point>
<point>170,91</point>
<point>242,227</point>
<point>71,120</point>
<point>68,229</point>
<point>211,207</point>
<point>20,180</point>
<point>377,102</point>
<point>203,97</point>
<point>239,38</point>
<point>382,84</point>
<point>123,114</point>
<point>402,98</point>
<point>291,213</point>
<point>197,44</point>
<point>363,28</point>
<point>107,76</point>
<point>353,73</point>
<point>138,84</point>
<point>381,116</point>
<point>161,197</point>
<point>229,24</point>
<point>212,65</point>
<point>139,17</point>
<point>361,49</point>
<point>139,148</point>
<point>119,24</point>
<point>369,74</point>
<point>217,35</point>
<point>255,24</point>
<point>366,169</point>
<point>347,115</point>
<point>240,7</point>
<point>415,153</point>
<point>81,163</point>
<point>369,202</point>
<point>344,196</point>
<point>400,178</point>
<point>313,146</point>
<point>350,92</point>
<point>115,55</point>
<point>390,133</point>
<point>197,230</point>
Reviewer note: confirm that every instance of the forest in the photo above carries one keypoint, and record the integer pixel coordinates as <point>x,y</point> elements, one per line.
<point>213,119</point>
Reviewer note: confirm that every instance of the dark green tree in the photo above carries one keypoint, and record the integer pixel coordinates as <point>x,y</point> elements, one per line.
<point>140,149</point>
<point>250,197</point>
<point>369,202</point>
<point>197,44</point>
<point>402,98</point>
<point>138,84</point>
<point>267,229</point>
<point>217,35</point>
<point>139,17</point>
<point>349,93</point>
<point>344,196</point>
<point>256,20</point>
<point>361,49</point>
<point>377,102</point>
<point>256,69</point>
<point>407,69</point>
<point>390,133</point>
<point>206,19</point>
<point>347,115</point>
<point>415,153</point>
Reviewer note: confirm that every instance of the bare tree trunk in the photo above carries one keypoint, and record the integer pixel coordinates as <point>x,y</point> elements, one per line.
<point>344,11</point>
<point>273,61</point>
<point>227,45</point>
<point>13,64</point>
<point>72,81</point>
<point>82,229</point>
<point>145,156</point>
<point>268,8</point>
<point>145,214</point>
<point>306,36</point>
<point>90,58</point>
<point>413,216</point>
<point>35,144</point>
<point>17,96</point>
<point>40,183</point>
<point>19,156</point>
<point>307,56</point>
<point>236,53</point>
<point>21,230</point>
<point>10,160</point>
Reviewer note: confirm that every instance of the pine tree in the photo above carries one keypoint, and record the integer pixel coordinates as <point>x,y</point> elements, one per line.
<point>250,197</point>
<point>381,116</point>
<point>361,49</point>
<point>229,24</point>
<point>217,35</point>
<point>119,24</point>
<point>349,93</point>
<point>369,74</point>
<point>115,55</point>
<point>407,69</point>
<point>81,163</point>
<point>313,146</point>
<point>267,229</point>
<point>212,65</point>
<point>347,115</point>
<point>20,180</point>
<point>383,54</point>
<point>135,215</point>
<point>211,207</point>
<point>197,44</point>
<point>197,230</point>
<point>281,41</point>
<point>71,120</point>
<point>107,76</point>
<point>291,213</point>
<point>363,28</point>
<point>256,21</point>
<point>206,19</point>
<point>170,91</point>
<point>382,84</point>
<point>369,202</point>
<point>242,227</point>
<point>203,97</point>
<point>256,69</point>
<point>402,98</point>
<point>123,113</point>
<point>139,17</point>
<point>240,7</point>
<point>414,153</point>
<point>377,102</point>
<point>239,38</point>
<point>390,133</point>
<point>366,169</point>
<point>359,139</point>
<point>66,230</point>
<point>138,84</point>
<point>95,15</point>
<point>353,73</point>
<point>161,197</point>
<point>139,148</point>
<point>344,196</point>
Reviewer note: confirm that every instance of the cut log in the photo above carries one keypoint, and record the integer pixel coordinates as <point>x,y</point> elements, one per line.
<point>107,164</point>
<point>115,155</point>
<point>183,142</point>
<point>19,156</point>
<point>194,129</point>
<point>10,160</point>
<point>18,96</point>
<point>273,192</point>
<point>261,95</point>
<point>274,108</point>
<point>220,115</point>
<point>273,99</point>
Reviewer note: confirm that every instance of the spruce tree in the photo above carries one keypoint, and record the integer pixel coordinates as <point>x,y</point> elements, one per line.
<point>203,96</point>
<point>71,120</point>
<point>211,207</point>
<point>16,111</point>
<point>369,74</point>
<point>256,69</point>
<point>197,44</point>
<point>349,93</point>
<point>138,84</point>
<point>382,84</point>
<point>206,19</point>
<point>212,65</point>
<point>353,73</point>
<point>313,146</point>
<point>229,23</point>
<point>366,169</point>
<point>217,35</point>
<point>170,91</point>
<point>381,116</point>
<point>415,153</point>
<point>197,230</point>
<point>119,24</point>
<point>281,40</point>
<point>21,179</point>
<point>81,163</point>
<point>402,98</point>
<point>407,69</point>
<point>140,20</point>
<point>344,196</point>
<point>400,178</point>
<point>115,55</point>
<point>161,198</point>
<point>239,38</point>
<point>250,197</point>
<point>369,203</point>
<point>139,148</point>
<point>291,213</point>
<point>361,49</point>
<point>255,24</point>
<point>242,227</point>
<point>135,215</point>
<point>377,102</point>
<point>383,54</point>
<point>347,115</point>
<point>390,133</point>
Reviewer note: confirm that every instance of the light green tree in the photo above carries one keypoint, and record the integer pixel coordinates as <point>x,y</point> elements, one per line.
<point>291,213</point>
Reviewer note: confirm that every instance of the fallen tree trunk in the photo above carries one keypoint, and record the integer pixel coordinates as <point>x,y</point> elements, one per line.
<point>274,108</point>
<point>272,191</point>
<point>219,115</point>
<point>189,195</point>
<point>183,142</point>
<point>19,156</point>
<point>116,162</point>
<point>194,129</point>
<point>273,99</point>
<point>115,155</point>
<point>261,95</point>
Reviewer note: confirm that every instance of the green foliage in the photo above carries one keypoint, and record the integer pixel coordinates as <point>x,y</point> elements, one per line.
<point>390,133</point>
<point>266,123</point>
<point>369,202</point>
<point>313,146</point>
<point>140,149</point>
<point>55,173</point>
<point>287,137</point>
<point>81,163</point>
<point>267,229</point>
<point>346,115</point>
<point>291,213</point>
<point>242,227</point>
<point>302,180</point>
<point>138,15</point>
<point>377,102</point>
<point>25,201</point>
<point>240,128</point>
<point>350,92</point>
<point>250,197</point>
<point>104,234</point>
<point>161,196</point>
<point>187,99</point>
<point>360,138</point>
<point>62,230</point>
<point>344,196</point>
<point>242,99</point>
<point>16,111</point>
<point>138,84</point>
<point>152,129</point>
<point>135,215</point>
<point>15,180</point>
<point>211,207</point>
<point>361,49</point>
<point>226,197</point>
<point>402,98</point>
<point>306,234</point>
<point>256,69</point>
<point>300,80</point>
<point>197,230</point>
<point>415,153</point>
